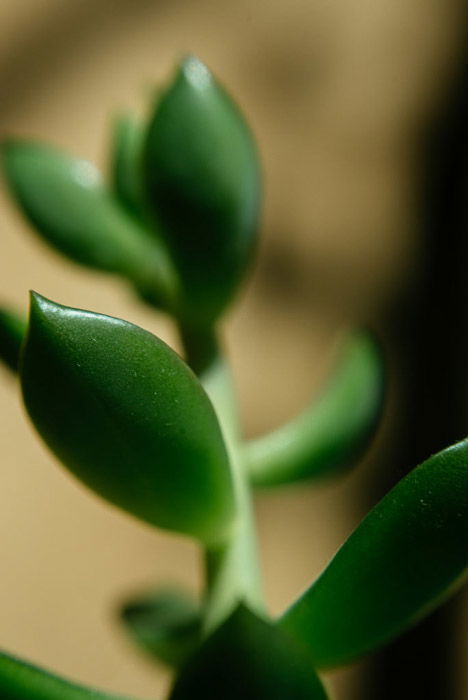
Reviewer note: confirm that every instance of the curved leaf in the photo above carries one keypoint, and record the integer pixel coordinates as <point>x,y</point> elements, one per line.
<point>68,204</point>
<point>407,555</point>
<point>165,623</point>
<point>333,431</point>
<point>12,332</point>
<point>248,658</point>
<point>203,180</point>
<point>22,681</point>
<point>127,416</point>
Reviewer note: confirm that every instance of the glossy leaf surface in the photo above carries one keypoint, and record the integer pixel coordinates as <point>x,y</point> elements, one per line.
<point>203,180</point>
<point>127,416</point>
<point>248,658</point>
<point>66,201</point>
<point>23,681</point>
<point>12,331</point>
<point>165,623</point>
<point>332,432</point>
<point>408,554</point>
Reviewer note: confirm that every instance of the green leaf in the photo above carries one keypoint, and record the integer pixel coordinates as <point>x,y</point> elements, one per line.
<point>22,681</point>
<point>165,623</point>
<point>12,331</point>
<point>248,658</point>
<point>126,164</point>
<point>333,431</point>
<point>127,416</point>
<point>203,179</point>
<point>66,201</point>
<point>407,555</point>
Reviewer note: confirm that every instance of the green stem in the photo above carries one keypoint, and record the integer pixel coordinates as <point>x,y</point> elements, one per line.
<point>232,569</point>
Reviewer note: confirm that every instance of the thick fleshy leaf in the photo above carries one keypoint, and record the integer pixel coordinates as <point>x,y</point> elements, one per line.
<point>248,658</point>
<point>165,623</point>
<point>126,164</point>
<point>334,430</point>
<point>22,681</point>
<point>12,331</point>
<point>127,416</point>
<point>66,201</point>
<point>407,555</point>
<point>203,180</point>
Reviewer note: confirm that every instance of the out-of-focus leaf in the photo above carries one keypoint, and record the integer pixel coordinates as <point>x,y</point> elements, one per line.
<point>66,201</point>
<point>12,331</point>
<point>248,658</point>
<point>22,681</point>
<point>334,430</point>
<point>407,555</point>
<point>165,623</point>
<point>127,416</point>
<point>126,164</point>
<point>203,179</point>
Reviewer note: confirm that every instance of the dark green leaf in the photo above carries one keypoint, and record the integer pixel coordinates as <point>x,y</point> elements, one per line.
<point>333,431</point>
<point>203,179</point>
<point>66,201</point>
<point>406,556</point>
<point>248,658</point>
<point>22,681</point>
<point>165,623</point>
<point>127,416</point>
<point>12,331</point>
<point>126,164</point>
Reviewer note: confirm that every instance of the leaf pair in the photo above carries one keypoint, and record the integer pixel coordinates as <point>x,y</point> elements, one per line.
<point>189,190</point>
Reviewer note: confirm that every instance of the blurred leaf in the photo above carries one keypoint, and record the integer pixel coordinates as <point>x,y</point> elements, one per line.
<point>67,203</point>
<point>165,623</point>
<point>22,681</point>
<point>333,431</point>
<point>127,416</point>
<point>126,164</point>
<point>203,180</point>
<point>12,331</point>
<point>248,658</point>
<point>407,555</point>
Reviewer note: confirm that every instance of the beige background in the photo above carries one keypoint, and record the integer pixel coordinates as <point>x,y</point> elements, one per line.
<point>336,93</point>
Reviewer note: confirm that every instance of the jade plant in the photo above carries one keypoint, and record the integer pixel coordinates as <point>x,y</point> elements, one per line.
<point>158,436</point>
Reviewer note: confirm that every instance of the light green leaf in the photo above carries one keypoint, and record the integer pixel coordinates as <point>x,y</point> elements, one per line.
<point>333,431</point>
<point>203,179</point>
<point>22,681</point>
<point>127,416</point>
<point>407,555</point>
<point>66,201</point>
<point>248,658</point>
<point>165,623</point>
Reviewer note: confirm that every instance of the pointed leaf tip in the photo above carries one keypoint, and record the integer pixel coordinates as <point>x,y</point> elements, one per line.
<point>202,178</point>
<point>125,414</point>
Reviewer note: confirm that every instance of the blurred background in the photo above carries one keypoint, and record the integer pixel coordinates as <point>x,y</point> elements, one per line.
<point>359,110</point>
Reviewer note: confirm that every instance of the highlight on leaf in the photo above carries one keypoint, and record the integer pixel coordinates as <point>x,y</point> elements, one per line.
<point>203,180</point>
<point>408,554</point>
<point>68,204</point>
<point>329,435</point>
<point>127,416</point>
